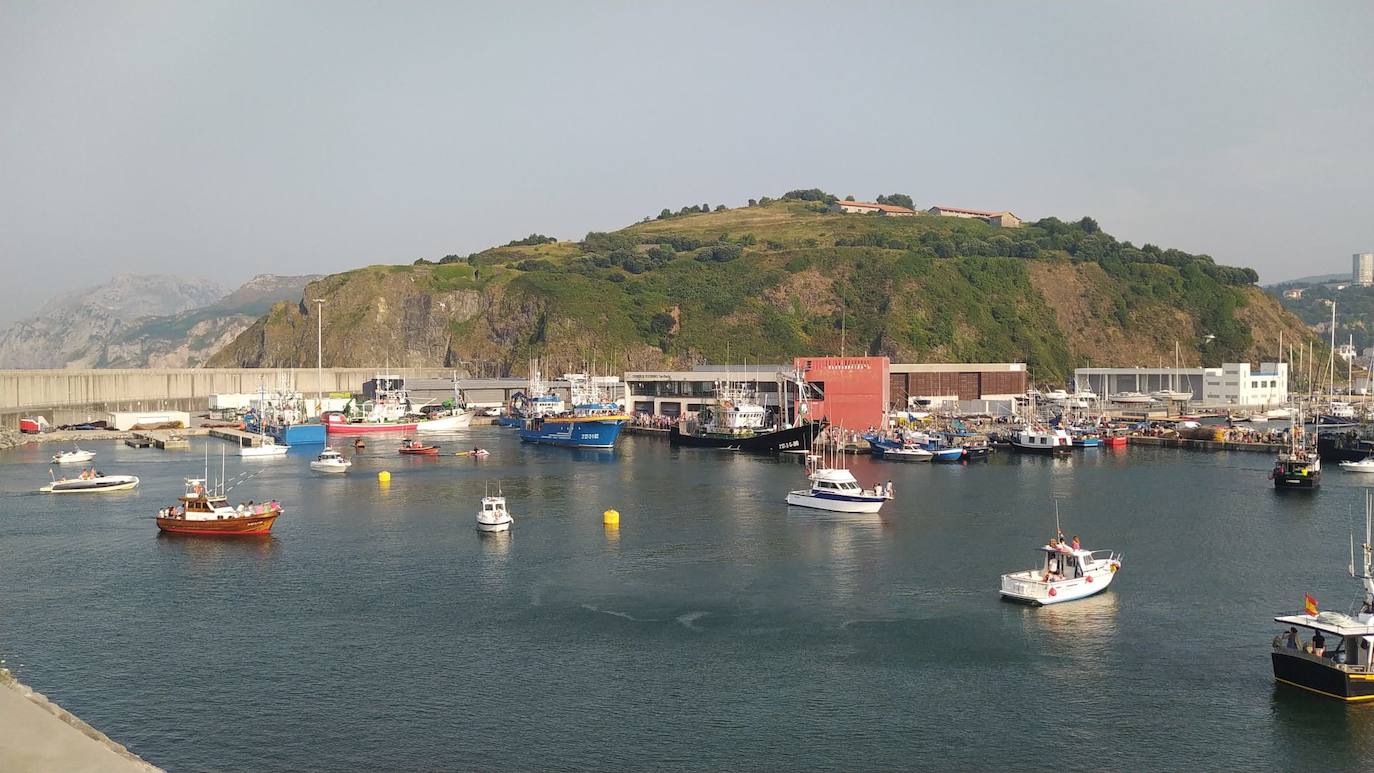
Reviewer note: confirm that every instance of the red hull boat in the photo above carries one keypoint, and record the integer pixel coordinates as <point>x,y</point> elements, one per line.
<point>205,513</point>
<point>416,448</point>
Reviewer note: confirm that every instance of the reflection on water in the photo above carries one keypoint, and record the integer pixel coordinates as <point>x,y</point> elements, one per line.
<point>858,641</point>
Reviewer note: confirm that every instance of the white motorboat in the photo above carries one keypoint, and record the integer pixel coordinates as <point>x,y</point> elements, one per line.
<point>75,456</point>
<point>1065,574</point>
<point>268,448</point>
<point>92,484</point>
<point>1277,413</point>
<point>331,461</point>
<point>907,454</point>
<point>837,490</point>
<point>1364,465</point>
<point>493,516</point>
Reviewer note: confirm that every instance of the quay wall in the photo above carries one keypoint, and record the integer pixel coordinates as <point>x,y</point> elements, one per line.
<point>70,396</point>
<point>1205,445</point>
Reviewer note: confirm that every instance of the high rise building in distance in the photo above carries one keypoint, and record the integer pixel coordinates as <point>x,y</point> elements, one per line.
<point>1362,268</point>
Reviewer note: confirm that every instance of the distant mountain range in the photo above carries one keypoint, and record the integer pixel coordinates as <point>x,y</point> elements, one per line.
<point>1312,280</point>
<point>138,321</point>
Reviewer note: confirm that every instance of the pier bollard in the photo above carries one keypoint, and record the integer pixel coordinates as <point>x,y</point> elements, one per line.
<point>383,477</point>
<point>611,519</point>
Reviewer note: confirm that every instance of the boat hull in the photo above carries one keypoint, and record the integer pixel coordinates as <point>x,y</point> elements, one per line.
<point>1061,450</point>
<point>948,455</point>
<point>247,526</point>
<point>1290,481</point>
<point>341,428</point>
<point>297,434</point>
<point>431,451</point>
<point>834,504</point>
<point>798,438</point>
<point>980,454</point>
<point>902,455</point>
<point>1091,442</point>
<point>492,528</point>
<point>1037,593</point>
<point>445,423</point>
<point>333,469</point>
<point>74,458</point>
<point>1296,668</point>
<point>574,432</point>
<point>263,452</point>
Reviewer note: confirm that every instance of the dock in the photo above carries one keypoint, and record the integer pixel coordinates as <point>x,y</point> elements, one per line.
<point>1205,445</point>
<point>633,429</point>
<point>237,436</point>
<point>165,439</point>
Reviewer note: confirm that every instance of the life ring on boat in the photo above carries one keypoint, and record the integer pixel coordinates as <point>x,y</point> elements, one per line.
<point>1054,592</point>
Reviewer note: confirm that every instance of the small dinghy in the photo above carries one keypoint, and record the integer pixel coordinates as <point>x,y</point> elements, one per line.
<point>417,448</point>
<point>493,516</point>
<point>476,453</point>
<point>74,456</point>
<point>91,482</point>
<point>1364,465</point>
<point>330,461</point>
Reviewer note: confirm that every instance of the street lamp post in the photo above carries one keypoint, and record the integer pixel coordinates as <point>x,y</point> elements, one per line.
<point>319,354</point>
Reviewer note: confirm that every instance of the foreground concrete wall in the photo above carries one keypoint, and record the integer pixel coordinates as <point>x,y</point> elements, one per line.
<point>68,396</point>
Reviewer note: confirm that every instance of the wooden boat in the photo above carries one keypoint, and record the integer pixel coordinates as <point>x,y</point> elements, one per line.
<point>207,513</point>
<point>417,448</point>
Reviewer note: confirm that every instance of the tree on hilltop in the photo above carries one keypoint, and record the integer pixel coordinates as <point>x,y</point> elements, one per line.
<point>897,200</point>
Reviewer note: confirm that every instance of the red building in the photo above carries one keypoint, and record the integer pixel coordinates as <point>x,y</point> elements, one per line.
<point>854,391</point>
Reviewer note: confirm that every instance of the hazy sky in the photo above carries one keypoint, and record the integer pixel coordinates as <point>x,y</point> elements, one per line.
<point>225,139</point>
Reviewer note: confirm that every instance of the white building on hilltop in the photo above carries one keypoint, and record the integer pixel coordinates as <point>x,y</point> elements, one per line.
<point>1234,383</point>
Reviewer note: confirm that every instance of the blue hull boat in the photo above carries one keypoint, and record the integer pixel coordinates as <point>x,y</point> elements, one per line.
<point>574,431</point>
<point>297,434</point>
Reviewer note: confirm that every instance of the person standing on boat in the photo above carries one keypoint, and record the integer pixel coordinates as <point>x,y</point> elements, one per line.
<point>1076,545</point>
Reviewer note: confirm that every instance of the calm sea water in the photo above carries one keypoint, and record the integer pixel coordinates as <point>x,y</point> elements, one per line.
<point>717,629</point>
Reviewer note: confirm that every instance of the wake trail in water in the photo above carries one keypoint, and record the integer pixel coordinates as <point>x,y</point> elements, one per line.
<point>689,619</point>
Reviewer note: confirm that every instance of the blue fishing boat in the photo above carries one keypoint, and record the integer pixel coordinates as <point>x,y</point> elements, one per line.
<point>594,425</point>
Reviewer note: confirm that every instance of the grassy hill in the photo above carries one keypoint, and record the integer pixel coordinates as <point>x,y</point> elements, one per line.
<point>783,278</point>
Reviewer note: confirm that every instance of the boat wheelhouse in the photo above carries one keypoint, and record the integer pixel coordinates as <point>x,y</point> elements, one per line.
<point>1336,658</point>
<point>1041,440</point>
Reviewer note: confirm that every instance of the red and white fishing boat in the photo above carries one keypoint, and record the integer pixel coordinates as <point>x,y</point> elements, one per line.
<point>390,410</point>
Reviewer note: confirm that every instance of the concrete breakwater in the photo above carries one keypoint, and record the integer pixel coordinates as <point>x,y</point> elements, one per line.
<point>39,735</point>
<point>69,396</point>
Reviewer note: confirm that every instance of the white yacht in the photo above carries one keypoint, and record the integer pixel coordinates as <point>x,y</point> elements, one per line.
<point>330,461</point>
<point>493,516</point>
<point>74,456</point>
<point>837,490</point>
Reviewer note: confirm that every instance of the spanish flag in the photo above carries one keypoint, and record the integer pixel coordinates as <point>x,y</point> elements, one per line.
<point>1310,604</point>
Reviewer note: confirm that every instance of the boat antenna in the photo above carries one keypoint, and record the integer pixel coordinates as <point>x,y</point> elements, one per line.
<point>207,461</point>
<point>1056,516</point>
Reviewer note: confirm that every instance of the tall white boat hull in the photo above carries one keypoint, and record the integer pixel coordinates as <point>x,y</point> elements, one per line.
<point>91,485</point>
<point>445,423</point>
<point>1030,587</point>
<point>263,451</point>
<point>807,499</point>
<point>73,457</point>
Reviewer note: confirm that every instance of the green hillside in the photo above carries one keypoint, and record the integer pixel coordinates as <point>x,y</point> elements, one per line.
<point>783,278</point>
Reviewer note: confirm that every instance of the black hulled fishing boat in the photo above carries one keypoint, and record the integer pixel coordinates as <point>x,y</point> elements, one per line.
<point>1336,656</point>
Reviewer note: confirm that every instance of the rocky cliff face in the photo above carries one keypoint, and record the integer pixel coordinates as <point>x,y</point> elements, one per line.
<point>137,321</point>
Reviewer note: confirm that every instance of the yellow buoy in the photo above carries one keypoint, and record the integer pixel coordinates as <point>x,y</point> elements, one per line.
<point>611,518</point>
<point>383,477</point>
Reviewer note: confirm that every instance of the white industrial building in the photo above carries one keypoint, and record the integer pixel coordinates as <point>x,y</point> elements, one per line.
<point>1234,383</point>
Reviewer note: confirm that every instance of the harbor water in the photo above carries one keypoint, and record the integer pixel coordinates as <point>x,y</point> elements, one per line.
<point>716,628</point>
